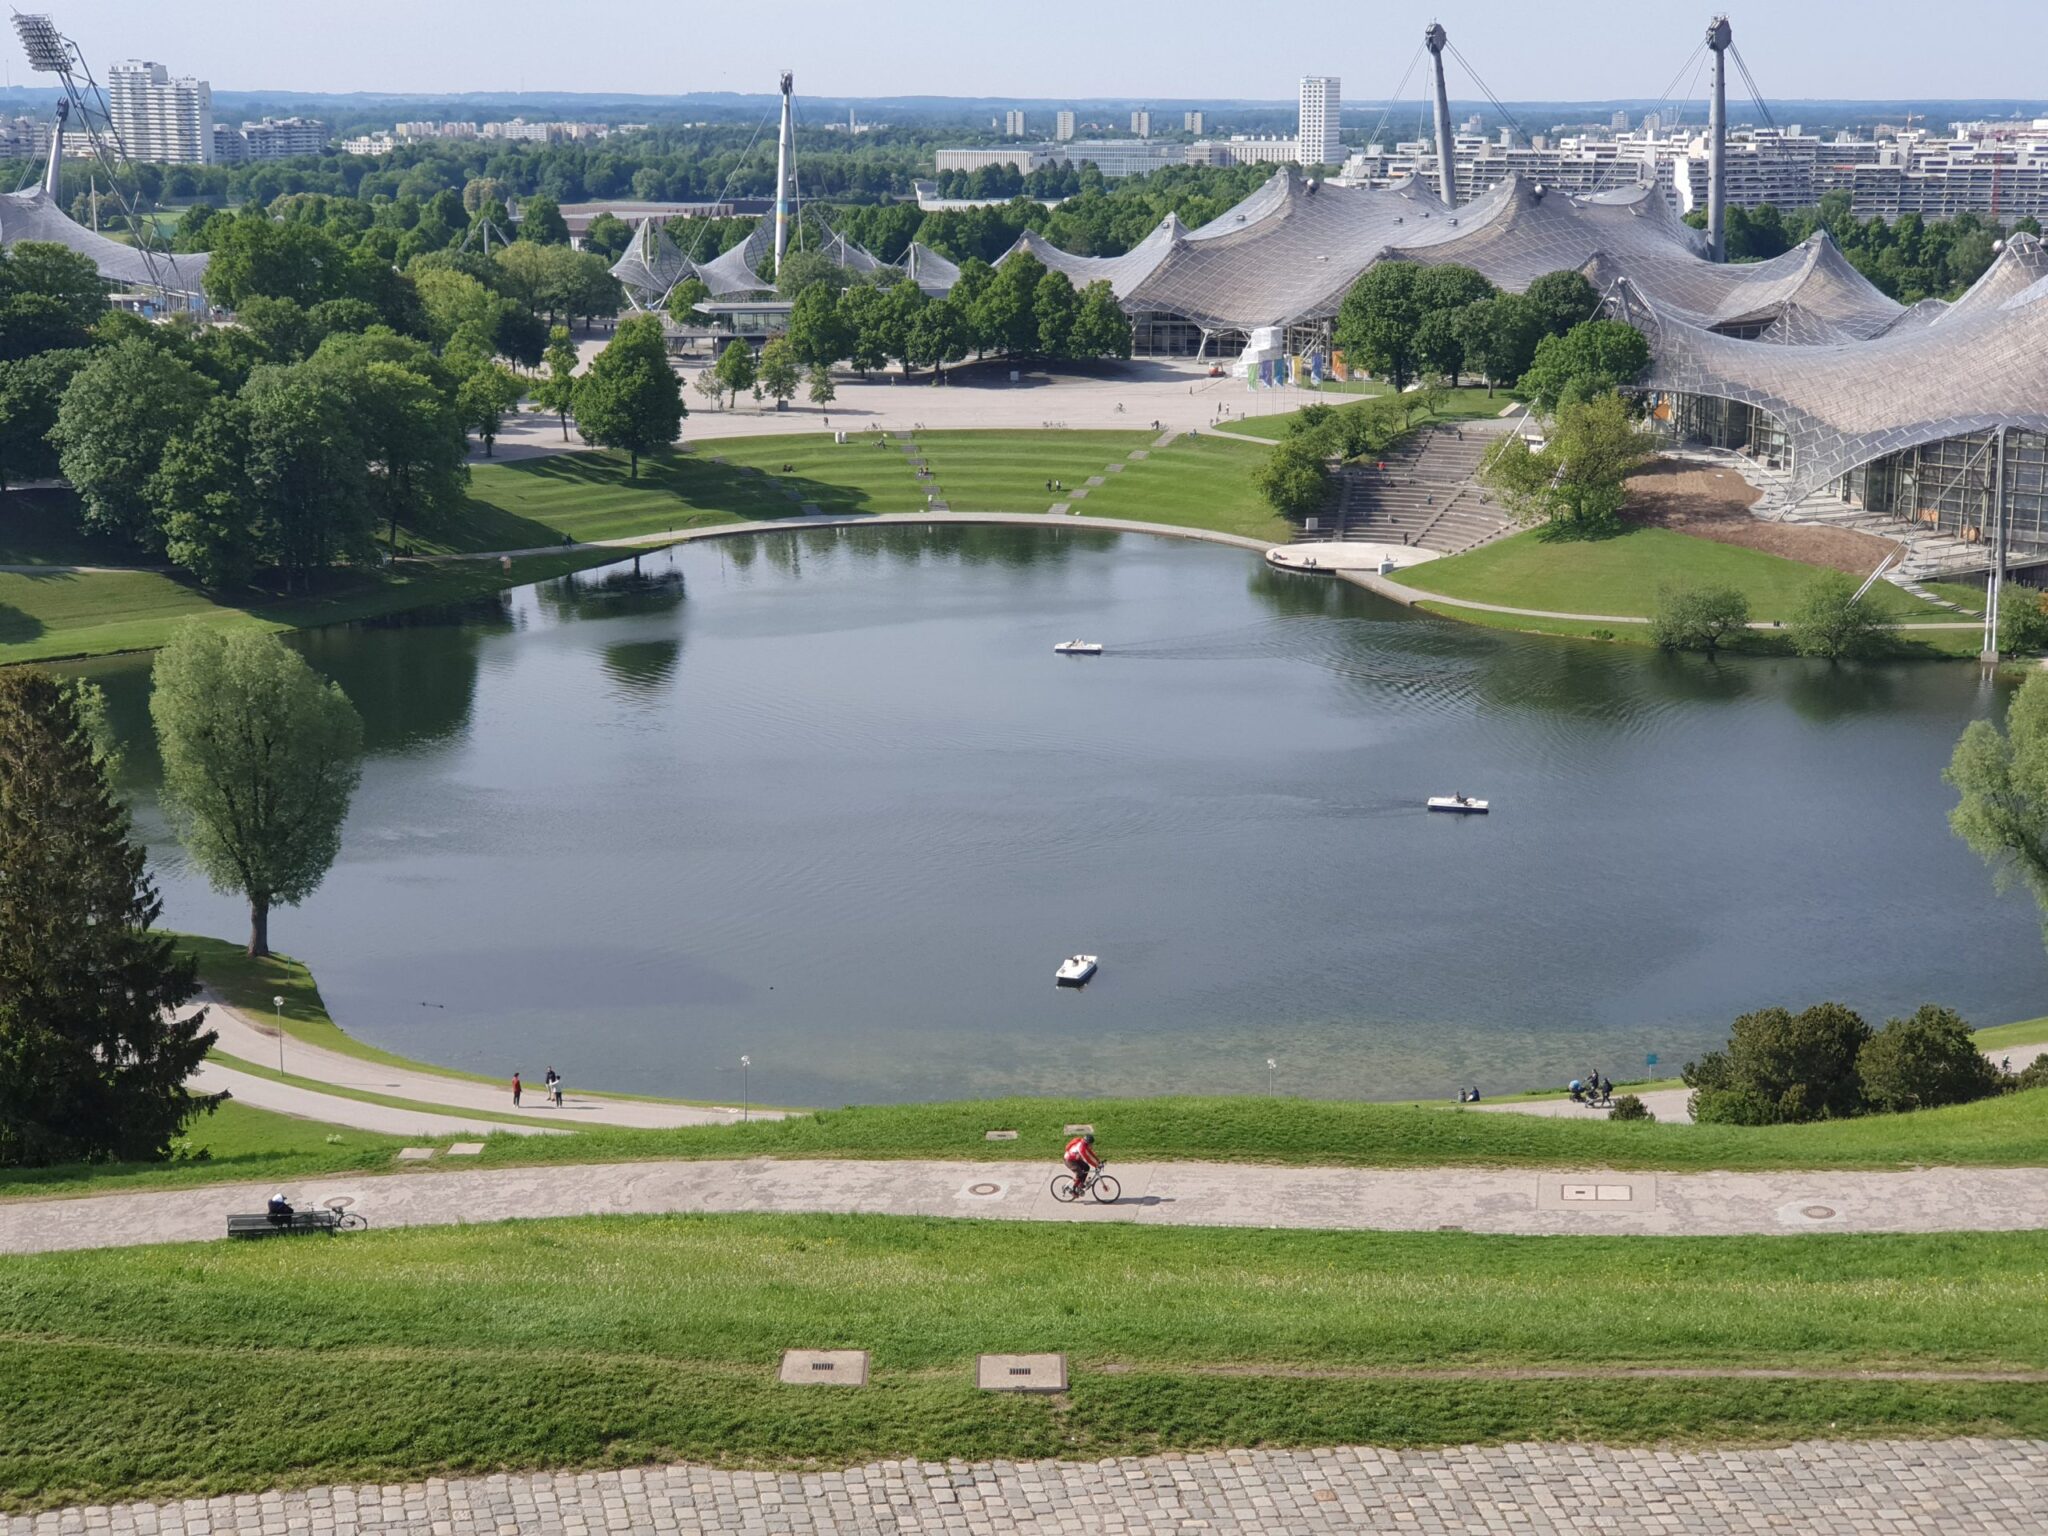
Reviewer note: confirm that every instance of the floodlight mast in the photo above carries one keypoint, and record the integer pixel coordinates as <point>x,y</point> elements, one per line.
<point>1719,38</point>
<point>1435,40</point>
<point>785,161</point>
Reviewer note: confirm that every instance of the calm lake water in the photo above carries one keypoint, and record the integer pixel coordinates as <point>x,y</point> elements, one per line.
<point>829,800</point>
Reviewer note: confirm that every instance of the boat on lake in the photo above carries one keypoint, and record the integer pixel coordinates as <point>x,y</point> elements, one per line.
<point>1075,970</point>
<point>1458,805</point>
<point>1078,648</point>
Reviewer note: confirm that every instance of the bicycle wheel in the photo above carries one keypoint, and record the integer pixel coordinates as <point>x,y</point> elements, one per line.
<point>1106,1189</point>
<point>352,1221</point>
<point>1063,1188</point>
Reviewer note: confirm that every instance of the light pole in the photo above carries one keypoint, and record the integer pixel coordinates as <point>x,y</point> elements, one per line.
<point>278,1002</point>
<point>1272,1066</point>
<point>746,1102</point>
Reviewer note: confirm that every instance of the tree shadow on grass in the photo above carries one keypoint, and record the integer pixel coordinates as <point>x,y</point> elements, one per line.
<point>17,627</point>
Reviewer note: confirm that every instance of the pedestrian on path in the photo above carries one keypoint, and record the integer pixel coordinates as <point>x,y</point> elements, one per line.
<point>515,1090</point>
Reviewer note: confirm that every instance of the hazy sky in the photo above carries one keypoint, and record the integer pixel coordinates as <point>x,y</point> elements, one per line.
<point>1550,50</point>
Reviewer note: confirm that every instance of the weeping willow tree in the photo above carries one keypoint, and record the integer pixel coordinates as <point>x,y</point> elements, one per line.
<point>2003,779</point>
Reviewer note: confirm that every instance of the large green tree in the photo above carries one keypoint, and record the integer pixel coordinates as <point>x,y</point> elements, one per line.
<point>1924,1062</point>
<point>817,333</point>
<point>2002,777</point>
<point>204,501</point>
<point>1499,337</point>
<point>1592,358</point>
<point>1376,323</point>
<point>409,413</point>
<point>1562,300</point>
<point>95,1059</point>
<point>120,411</point>
<point>308,471</point>
<point>541,222</point>
<point>779,375</point>
<point>50,297</point>
<point>630,396</point>
<point>1781,1067</point>
<point>260,758</point>
<point>1576,483</point>
<point>31,390</point>
<point>556,390</point>
<point>1101,328</point>
<point>1832,622</point>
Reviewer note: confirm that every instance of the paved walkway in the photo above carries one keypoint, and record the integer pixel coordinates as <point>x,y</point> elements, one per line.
<point>1173,1194</point>
<point>1817,1488</point>
<point>243,1037</point>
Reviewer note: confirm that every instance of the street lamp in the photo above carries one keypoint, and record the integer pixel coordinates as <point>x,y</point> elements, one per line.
<point>278,1002</point>
<point>1272,1066</point>
<point>746,1103</point>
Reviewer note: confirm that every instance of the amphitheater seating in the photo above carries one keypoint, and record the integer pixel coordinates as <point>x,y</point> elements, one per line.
<point>1426,496</point>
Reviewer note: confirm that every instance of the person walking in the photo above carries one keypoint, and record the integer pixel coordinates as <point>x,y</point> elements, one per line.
<point>515,1090</point>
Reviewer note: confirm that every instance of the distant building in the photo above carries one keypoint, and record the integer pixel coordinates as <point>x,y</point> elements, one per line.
<point>1191,122</point>
<point>158,116</point>
<point>273,138</point>
<point>1063,126</point>
<point>1244,149</point>
<point>1141,124</point>
<point>1653,123</point>
<point>1475,125</point>
<point>1013,124</point>
<point>1025,159</point>
<point>1618,122</point>
<point>1321,106</point>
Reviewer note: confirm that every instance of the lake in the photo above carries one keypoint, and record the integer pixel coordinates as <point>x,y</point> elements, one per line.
<point>826,798</point>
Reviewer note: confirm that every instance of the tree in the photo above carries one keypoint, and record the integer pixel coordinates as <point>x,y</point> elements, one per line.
<point>684,298</point>
<point>254,254</point>
<point>2003,780</point>
<point>1780,1068</point>
<point>1577,483</point>
<point>1831,623</point>
<point>50,298</point>
<point>483,398</point>
<point>119,412</point>
<point>95,1062</point>
<point>1054,306</point>
<point>803,270</point>
<point>817,334</point>
<point>1562,300</point>
<point>1377,320</point>
<point>1698,618</point>
<point>608,236</point>
<point>938,335</point>
<point>1295,480</point>
<point>1592,358</point>
<point>1101,328</point>
<point>736,368</point>
<point>407,412</point>
<point>557,391</point>
<point>1002,314</point>
<point>204,501</point>
<point>260,759</point>
<point>1499,336</point>
<point>1441,293</point>
<point>821,391</point>
<point>542,223</point>
<point>308,471</point>
<point>778,372</point>
<point>1924,1062</point>
<point>31,389</point>
<point>630,396</point>
<point>2022,615</point>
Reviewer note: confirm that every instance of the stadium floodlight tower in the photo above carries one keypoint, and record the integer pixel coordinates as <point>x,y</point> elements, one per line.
<point>1719,37</point>
<point>1435,40</point>
<point>50,52</point>
<point>785,169</point>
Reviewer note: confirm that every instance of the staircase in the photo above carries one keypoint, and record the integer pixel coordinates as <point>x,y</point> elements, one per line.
<point>1426,497</point>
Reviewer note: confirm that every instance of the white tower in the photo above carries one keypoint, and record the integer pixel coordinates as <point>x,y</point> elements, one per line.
<point>1317,141</point>
<point>785,169</point>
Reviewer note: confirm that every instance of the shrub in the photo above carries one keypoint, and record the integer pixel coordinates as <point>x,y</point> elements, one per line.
<point>1925,1061</point>
<point>2034,1074</point>
<point>1781,1067</point>
<point>1629,1107</point>
<point>2022,621</point>
<point>1831,623</point>
<point>1294,480</point>
<point>1603,634</point>
<point>1698,618</point>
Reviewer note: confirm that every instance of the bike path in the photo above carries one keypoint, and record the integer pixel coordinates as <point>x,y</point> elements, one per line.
<point>1518,1201</point>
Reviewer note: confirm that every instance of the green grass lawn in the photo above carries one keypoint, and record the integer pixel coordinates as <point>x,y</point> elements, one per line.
<point>1459,405</point>
<point>1623,575</point>
<point>398,1355</point>
<point>1007,471</point>
<point>1918,641</point>
<point>1197,481</point>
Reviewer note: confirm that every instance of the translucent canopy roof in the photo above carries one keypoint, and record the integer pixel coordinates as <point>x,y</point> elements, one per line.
<point>34,215</point>
<point>652,265</point>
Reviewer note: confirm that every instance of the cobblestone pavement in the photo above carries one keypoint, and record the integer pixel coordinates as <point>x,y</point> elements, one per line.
<point>1883,1488</point>
<point>1180,1194</point>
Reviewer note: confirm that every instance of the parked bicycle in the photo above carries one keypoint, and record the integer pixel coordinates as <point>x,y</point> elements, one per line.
<point>1100,1184</point>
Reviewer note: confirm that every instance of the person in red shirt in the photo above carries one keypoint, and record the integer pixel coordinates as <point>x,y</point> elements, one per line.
<point>1081,1159</point>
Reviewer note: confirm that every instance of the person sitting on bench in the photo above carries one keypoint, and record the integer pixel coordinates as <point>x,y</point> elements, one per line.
<point>280,1210</point>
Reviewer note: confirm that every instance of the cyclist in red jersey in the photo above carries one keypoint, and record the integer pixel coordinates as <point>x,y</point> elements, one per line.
<point>1081,1159</point>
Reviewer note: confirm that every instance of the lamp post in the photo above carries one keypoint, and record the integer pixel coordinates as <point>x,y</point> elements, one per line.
<point>278,1003</point>
<point>746,1102</point>
<point>1272,1066</point>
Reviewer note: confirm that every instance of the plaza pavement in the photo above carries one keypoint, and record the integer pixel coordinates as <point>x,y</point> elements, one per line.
<point>1512,1201</point>
<point>1976,1487</point>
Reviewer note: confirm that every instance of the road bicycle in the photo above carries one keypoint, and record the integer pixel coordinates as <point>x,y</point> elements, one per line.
<point>1100,1184</point>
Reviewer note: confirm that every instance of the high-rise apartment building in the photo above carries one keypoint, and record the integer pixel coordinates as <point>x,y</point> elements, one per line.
<point>1619,122</point>
<point>1062,126</point>
<point>159,116</point>
<point>1321,106</point>
<point>1013,124</point>
<point>1141,124</point>
<point>1192,122</point>
<point>274,138</point>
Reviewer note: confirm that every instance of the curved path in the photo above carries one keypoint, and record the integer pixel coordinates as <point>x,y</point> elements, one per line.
<point>1524,1201</point>
<point>459,1103</point>
<point>1816,1488</point>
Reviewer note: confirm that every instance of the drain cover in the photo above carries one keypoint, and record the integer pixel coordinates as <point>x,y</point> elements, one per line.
<point>984,1189</point>
<point>1817,1212</point>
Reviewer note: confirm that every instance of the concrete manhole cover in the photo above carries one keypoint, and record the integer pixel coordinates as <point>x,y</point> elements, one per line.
<point>1817,1212</point>
<point>997,1189</point>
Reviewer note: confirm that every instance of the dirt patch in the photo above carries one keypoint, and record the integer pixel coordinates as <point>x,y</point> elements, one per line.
<point>1714,504</point>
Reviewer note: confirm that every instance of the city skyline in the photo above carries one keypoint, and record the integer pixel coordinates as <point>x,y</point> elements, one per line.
<point>1572,53</point>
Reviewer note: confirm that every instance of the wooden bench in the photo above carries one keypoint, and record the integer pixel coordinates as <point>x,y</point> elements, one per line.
<point>264,1225</point>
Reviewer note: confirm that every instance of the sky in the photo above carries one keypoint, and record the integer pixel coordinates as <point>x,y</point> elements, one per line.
<point>1548,50</point>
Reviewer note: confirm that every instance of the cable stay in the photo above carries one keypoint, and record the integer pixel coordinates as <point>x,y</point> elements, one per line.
<point>1466,65</point>
<point>1747,79</point>
<point>1392,101</point>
